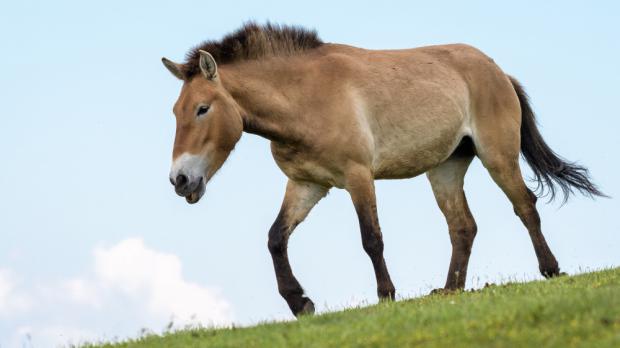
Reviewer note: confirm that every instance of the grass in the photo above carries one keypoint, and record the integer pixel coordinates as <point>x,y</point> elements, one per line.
<point>576,311</point>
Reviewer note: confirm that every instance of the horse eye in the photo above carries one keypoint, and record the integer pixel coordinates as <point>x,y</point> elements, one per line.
<point>202,110</point>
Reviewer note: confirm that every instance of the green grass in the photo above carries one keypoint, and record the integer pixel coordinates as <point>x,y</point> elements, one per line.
<point>577,311</point>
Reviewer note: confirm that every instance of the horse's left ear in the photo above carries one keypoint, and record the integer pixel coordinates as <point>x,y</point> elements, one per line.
<point>207,64</point>
<point>174,68</point>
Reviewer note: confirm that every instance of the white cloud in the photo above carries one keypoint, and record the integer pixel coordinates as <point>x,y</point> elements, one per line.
<point>131,287</point>
<point>156,278</point>
<point>81,292</point>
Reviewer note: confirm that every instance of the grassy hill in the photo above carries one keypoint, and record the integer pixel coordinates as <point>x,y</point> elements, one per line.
<point>577,311</point>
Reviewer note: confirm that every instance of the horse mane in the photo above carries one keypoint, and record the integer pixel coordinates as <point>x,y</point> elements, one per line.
<point>253,41</point>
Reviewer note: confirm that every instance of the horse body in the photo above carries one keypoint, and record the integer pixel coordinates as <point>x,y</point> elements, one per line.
<point>341,116</point>
<point>399,112</point>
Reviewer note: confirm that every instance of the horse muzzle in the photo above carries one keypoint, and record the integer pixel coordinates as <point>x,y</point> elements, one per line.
<point>188,177</point>
<point>190,188</point>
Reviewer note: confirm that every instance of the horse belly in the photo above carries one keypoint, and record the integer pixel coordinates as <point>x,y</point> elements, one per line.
<point>417,128</point>
<point>416,146</point>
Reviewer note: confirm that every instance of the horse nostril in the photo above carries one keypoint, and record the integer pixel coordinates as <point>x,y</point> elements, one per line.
<point>172,181</point>
<point>181,180</point>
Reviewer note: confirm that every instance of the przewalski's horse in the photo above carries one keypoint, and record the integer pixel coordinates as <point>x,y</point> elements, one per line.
<point>342,116</point>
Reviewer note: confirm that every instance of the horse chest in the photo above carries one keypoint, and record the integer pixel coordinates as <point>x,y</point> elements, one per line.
<point>307,165</point>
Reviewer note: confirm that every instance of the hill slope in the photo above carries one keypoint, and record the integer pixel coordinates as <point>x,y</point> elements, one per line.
<point>582,310</point>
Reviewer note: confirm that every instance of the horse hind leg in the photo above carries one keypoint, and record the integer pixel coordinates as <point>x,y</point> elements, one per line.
<point>498,147</point>
<point>508,177</point>
<point>447,183</point>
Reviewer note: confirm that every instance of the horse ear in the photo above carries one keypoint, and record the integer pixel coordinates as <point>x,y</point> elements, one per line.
<point>207,64</point>
<point>174,68</point>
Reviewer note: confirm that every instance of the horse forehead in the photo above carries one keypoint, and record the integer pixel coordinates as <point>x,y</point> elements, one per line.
<point>198,89</point>
<point>186,98</point>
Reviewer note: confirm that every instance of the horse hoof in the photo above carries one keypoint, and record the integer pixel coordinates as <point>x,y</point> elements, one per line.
<point>387,296</point>
<point>307,309</point>
<point>558,274</point>
<point>441,291</point>
<point>552,273</point>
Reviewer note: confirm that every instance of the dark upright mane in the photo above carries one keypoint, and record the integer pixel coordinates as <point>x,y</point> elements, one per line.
<point>253,41</point>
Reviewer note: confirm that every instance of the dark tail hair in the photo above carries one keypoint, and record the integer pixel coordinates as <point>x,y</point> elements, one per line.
<point>550,170</point>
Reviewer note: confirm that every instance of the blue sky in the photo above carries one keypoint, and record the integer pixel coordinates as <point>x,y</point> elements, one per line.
<point>96,245</point>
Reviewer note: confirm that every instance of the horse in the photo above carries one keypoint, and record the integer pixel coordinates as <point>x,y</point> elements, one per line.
<point>341,116</point>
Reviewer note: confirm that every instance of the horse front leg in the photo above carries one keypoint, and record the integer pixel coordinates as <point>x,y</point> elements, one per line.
<point>361,187</point>
<point>299,199</point>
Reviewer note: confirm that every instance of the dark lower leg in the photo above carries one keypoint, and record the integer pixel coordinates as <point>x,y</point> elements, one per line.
<point>372,241</point>
<point>288,286</point>
<point>360,184</point>
<point>547,263</point>
<point>462,239</point>
<point>299,199</point>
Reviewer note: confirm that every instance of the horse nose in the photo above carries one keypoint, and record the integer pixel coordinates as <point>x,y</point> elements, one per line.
<point>181,181</point>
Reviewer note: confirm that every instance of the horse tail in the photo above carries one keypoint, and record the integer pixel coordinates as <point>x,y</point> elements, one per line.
<point>550,170</point>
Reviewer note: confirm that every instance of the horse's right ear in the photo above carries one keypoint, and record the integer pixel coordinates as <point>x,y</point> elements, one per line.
<point>174,68</point>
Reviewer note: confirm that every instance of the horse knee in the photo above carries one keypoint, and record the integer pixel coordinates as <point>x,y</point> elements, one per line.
<point>277,238</point>
<point>462,236</point>
<point>372,244</point>
<point>276,246</point>
<point>528,214</point>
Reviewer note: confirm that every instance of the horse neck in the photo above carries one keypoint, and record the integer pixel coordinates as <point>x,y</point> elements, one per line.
<point>264,93</point>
